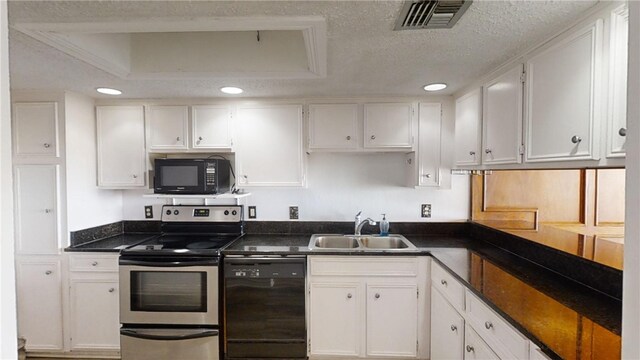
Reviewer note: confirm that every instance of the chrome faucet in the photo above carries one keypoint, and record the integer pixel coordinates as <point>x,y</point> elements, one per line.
<point>359,224</point>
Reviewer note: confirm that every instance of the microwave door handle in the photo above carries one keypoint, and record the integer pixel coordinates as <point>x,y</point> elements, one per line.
<point>141,334</point>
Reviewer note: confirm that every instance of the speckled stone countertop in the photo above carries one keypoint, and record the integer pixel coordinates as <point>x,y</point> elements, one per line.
<point>110,244</point>
<point>566,319</point>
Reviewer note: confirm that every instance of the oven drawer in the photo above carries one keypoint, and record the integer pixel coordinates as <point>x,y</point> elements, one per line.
<point>163,343</point>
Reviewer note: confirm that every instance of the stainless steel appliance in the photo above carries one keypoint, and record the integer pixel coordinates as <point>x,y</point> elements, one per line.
<point>169,285</point>
<point>191,176</point>
<point>264,308</point>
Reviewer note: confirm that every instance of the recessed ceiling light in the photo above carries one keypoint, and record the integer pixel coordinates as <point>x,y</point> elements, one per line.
<point>231,90</point>
<point>108,91</point>
<point>435,87</point>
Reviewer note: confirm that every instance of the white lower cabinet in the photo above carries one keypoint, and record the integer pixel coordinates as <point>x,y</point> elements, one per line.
<point>447,329</point>
<point>475,347</point>
<point>94,300</point>
<point>39,297</point>
<point>366,307</point>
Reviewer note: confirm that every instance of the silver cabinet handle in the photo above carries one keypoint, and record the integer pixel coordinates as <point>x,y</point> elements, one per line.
<point>349,296</point>
<point>95,263</point>
<point>112,290</point>
<point>200,138</point>
<point>48,272</point>
<point>454,328</point>
<point>377,296</point>
<point>472,153</point>
<point>47,145</point>
<point>622,132</point>
<point>443,282</point>
<point>576,139</point>
<point>48,211</point>
<point>178,138</point>
<point>487,151</point>
<point>373,137</point>
<point>488,325</point>
<point>470,348</point>
<point>135,176</point>
<point>428,176</point>
<point>348,137</point>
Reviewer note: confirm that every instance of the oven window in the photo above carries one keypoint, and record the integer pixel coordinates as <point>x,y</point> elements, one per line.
<point>179,175</point>
<point>166,291</point>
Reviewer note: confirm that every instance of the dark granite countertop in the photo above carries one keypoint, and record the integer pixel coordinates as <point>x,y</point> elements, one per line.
<point>110,244</point>
<point>566,319</point>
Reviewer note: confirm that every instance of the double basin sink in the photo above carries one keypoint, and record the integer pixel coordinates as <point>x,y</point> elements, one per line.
<point>336,242</point>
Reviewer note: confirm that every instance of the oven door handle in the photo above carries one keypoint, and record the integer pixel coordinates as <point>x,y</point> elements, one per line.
<point>168,263</point>
<point>141,334</point>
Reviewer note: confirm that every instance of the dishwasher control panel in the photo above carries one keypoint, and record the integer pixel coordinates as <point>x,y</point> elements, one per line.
<point>264,269</point>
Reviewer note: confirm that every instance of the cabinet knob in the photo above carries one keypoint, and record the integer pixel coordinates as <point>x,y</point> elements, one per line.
<point>48,272</point>
<point>576,139</point>
<point>47,145</point>
<point>373,137</point>
<point>443,282</point>
<point>454,328</point>
<point>112,290</point>
<point>488,325</point>
<point>487,151</point>
<point>48,211</point>
<point>348,137</point>
<point>470,348</point>
<point>472,153</point>
<point>349,296</point>
<point>135,176</point>
<point>377,296</point>
<point>178,138</point>
<point>95,263</point>
<point>622,132</point>
<point>428,176</point>
<point>200,138</point>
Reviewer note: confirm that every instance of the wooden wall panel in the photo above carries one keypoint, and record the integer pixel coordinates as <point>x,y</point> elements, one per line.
<point>610,196</point>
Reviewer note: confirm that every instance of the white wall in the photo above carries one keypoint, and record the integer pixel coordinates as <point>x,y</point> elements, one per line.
<point>87,205</point>
<point>631,286</point>
<point>340,185</point>
<point>8,332</point>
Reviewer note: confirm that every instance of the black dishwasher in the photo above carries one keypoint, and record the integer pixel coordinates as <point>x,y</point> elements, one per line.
<point>264,308</point>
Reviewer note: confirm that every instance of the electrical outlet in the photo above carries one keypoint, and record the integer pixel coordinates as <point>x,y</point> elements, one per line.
<point>252,212</point>
<point>293,212</point>
<point>148,212</point>
<point>426,210</point>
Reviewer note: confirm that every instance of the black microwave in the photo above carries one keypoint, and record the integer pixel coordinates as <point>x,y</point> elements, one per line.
<point>191,176</point>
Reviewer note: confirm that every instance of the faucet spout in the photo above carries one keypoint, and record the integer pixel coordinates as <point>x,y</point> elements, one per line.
<point>359,224</point>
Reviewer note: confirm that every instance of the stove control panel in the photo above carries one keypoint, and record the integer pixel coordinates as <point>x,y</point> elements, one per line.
<point>204,213</point>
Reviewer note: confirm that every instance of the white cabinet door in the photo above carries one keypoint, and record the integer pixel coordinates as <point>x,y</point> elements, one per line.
<point>121,153</point>
<point>211,127</point>
<point>388,125</point>
<point>392,329</point>
<point>335,324</point>
<point>35,129</point>
<point>39,296</point>
<point>502,118</point>
<point>468,128</point>
<point>429,144</point>
<point>475,348</point>
<point>269,148</point>
<point>447,329</point>
<point>37,212</point>
<point>563,98</point>
<point>168,127</point>
<point>333,126</point>
<point>95,315</point>
<point>617,116</point>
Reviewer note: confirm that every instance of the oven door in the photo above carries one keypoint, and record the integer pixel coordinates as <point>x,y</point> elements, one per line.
<point>179,176</point>
<point>169,292</point>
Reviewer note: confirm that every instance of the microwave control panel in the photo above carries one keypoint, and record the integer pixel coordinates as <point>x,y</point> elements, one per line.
<point>210,174</point>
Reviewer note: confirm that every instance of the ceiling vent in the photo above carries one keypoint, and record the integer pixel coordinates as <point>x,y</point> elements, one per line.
<point>430,14</point>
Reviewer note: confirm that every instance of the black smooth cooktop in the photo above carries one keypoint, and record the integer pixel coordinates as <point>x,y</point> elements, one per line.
<point>181,244</point>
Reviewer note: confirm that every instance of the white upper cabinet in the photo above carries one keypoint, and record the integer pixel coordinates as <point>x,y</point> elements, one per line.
<point>388,125</point>
<point>121,152</point>
<point>37,209</point>
<point>168,127</point>
<point>617,115</point>
<point>211,127</point>
<point>333,126</point>
<point>35,127</point>
<point>502,118</point>
<point>269,149</point>
<point>564,98</point>
<point>468,128</point>
<point>429,144</point>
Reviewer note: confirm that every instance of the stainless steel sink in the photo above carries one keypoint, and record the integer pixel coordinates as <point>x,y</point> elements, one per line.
<point>372,243</point>
<point>334,242</point>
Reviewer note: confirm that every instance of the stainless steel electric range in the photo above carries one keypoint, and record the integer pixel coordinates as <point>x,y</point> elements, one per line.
<point>169,285</point>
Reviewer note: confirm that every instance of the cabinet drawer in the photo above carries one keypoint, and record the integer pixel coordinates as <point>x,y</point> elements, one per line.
<point>448,286</point>
<point>505,339</point>
<point>362,266</point>
<point>93,263</point>
<point>476,348</point>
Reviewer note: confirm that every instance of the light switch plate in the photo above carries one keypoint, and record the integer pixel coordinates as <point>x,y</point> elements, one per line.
<point>252,212</point>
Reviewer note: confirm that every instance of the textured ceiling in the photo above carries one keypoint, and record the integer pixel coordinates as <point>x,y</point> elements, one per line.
<point>365,57</point>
